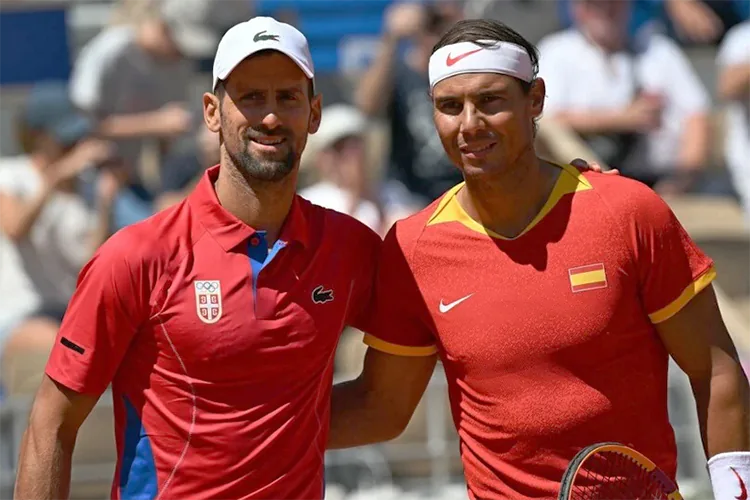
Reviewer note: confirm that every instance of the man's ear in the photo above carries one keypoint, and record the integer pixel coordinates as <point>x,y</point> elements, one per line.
<point>316,112</point>
<point>537,95</point>
<point>212,112</point>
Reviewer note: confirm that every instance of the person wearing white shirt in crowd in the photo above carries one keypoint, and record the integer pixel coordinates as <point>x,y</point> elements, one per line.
<point>133,79</point>
<point>734,89</point>
<point>47,231</point>
<point>338,155</point>
<point>637,102</point>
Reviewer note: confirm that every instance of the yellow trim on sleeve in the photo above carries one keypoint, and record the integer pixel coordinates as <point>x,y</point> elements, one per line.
<point>686,296</point>
<point>398,350</point>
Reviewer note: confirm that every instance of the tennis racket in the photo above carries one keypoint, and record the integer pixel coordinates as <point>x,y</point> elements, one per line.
<point>612,471</point>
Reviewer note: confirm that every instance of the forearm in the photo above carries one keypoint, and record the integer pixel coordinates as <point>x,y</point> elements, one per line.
<point>723,404</point>
<point>357,418</point>
<point>131,126</point>
<point>695,145</point>
<point>44,467</point>
<point>18,228</point>
<point>593,122</point>
<point>374,89</point>
<point>734,83</point>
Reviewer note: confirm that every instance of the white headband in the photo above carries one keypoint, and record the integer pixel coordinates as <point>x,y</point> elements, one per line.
<point>467,57</point>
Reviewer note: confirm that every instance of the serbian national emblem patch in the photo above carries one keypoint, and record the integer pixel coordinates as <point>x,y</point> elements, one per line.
<point>208,300</point>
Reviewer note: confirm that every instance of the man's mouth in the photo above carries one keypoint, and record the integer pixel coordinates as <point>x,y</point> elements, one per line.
<point>477,149</point>
<point>269,141</point>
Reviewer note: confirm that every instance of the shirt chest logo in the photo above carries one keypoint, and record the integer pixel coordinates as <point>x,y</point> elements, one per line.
<point>320,295</point>
<point>444,308</point>
<point>208,300</point>
<point>585,278</point>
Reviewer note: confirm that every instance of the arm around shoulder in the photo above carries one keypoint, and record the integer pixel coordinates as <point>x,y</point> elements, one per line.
<point>398,365</point>
<point>378,405</point>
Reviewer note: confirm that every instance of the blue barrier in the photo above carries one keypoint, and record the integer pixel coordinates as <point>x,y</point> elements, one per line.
<point>34,45</point>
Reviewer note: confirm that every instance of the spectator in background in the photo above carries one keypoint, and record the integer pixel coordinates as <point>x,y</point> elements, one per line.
<point>47,232</point>
<point>183,168</point>
<point>734,89</point>
<point>418,170</point>
<point>636,101</point>
<point>690,21</point>
<point>134,80</point>
<point>338,155</point>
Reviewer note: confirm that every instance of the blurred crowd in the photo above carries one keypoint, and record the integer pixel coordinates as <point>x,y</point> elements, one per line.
<point>121,139</point>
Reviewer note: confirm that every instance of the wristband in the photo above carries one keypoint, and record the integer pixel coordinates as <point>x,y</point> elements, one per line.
<point>730,475</point>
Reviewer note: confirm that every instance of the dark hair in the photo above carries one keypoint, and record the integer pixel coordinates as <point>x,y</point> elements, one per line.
<point>474,30</point>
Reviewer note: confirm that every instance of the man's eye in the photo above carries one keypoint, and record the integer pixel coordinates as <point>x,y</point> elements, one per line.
<point>449,106</point>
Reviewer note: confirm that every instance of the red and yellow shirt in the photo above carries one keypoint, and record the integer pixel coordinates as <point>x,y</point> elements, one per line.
<point>547,339</point>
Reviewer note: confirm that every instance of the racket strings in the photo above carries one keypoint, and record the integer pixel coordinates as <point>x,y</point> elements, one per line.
<point>613,476</point>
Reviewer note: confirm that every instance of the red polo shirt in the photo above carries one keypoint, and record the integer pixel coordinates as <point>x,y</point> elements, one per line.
<point>219,350</point>
<point>548,339</point>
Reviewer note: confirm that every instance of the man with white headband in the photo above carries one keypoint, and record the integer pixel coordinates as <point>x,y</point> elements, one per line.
<point>552,297</point>
<point>216,321</point>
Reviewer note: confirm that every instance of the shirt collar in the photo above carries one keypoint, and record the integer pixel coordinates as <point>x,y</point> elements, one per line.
<point>227,229</point>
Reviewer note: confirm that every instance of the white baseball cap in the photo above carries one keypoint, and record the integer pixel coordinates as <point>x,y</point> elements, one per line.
<point>337,122</point>
<point>261,33</point>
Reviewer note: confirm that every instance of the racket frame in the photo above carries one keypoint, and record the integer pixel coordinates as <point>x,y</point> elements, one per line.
<point>639,458</point>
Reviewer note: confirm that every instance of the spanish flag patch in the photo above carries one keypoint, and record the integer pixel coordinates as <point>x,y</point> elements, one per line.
<point>586,278</point>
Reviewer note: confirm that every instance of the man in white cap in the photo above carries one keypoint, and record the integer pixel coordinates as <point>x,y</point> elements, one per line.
<point>215,321</point>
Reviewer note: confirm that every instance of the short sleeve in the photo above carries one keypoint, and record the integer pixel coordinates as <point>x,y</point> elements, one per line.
<point>671,268</point>
<point>109,304</point>
<point>686,89</point>
<point>15,181</point>
<point>8,182</point>
<point>402,324</point>
<point>361,312</point>
<point>735,49</point>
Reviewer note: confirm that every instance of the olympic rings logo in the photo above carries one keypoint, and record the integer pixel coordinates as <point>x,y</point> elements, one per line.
<point>206,286</point>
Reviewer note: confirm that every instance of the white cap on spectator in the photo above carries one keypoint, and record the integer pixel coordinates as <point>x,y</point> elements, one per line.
<point>261,33</point>
<point>337,122</point>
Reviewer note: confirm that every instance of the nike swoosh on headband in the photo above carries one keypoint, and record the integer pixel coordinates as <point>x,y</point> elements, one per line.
<point>450,61</point>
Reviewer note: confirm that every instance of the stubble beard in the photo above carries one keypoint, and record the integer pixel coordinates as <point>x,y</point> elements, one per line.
<point>258,168</point>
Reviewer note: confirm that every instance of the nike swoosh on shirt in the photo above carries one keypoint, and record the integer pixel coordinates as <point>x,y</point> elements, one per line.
<point>444,308</point>
<point>450,61</point>
<point>743,488</point>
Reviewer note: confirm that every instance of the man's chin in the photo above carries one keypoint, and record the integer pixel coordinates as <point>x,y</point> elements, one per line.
<point>269,172</point>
